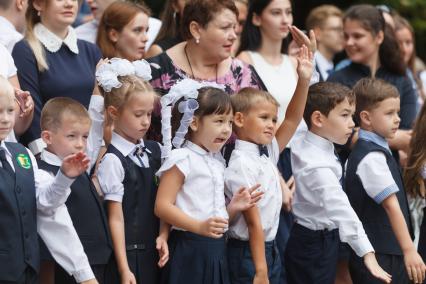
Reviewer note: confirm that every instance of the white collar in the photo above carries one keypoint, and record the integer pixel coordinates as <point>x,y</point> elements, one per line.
<point>3,146</point>
<point>50,158</point>
<point>323,63</point>
<point>7,24</point>
<point>320,142</point>
<point>124,146</point>
<point>52,42</point>
<point>247,146</point>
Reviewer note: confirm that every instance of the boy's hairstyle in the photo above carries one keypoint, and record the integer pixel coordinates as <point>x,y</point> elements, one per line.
<point>6,89</point>
<point>318,16</point>
<point>324,97</point>
<point>55,110</point>
<point>370,92</point>
<point>117,97</point>
<point>247,98</point>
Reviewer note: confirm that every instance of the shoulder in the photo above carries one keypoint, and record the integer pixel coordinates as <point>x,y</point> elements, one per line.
<point>21,48</point>
<point>179,158</point>
<point>245,57</point>
<point>89,48</point>
<point>346,76</point>
<point>110,161</point>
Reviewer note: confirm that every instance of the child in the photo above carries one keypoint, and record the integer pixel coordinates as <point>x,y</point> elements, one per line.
<point>322,211</point>
<point>375,188</point>
<point>65,126</point>
<point>34,199</point>
<point>127,173</point>
<point>191,193</point>
<point>256,154</point>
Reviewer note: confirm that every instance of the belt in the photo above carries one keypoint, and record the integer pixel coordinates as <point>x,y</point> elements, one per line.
<point>136,247</point>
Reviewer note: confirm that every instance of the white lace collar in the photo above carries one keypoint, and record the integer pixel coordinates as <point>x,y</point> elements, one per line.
<point>52,42</point>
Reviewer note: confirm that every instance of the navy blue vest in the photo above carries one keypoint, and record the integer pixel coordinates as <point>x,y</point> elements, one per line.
<point>372,215</point>
<point>18,215</point>
<point>88,217</point>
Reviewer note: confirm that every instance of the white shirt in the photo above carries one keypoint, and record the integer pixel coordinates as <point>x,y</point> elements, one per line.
<point>319,201</point>
<point>247,168</point>
<point>111,172</point>
<point>9,36</point>
<point>7,65</point>
<point>202,194</point>
<point>323,64</point>
<point>54,224</point>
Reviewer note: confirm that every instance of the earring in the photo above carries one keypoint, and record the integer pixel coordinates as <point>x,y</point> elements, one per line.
<point>197,40</point>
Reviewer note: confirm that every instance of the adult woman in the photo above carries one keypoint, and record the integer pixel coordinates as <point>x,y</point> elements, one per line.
<point>51,62</point>
<point>122,31</point>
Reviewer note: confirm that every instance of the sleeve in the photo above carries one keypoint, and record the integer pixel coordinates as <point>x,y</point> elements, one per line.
<point>274,151</point>
<point>111,176</point>
<point>423,171</point>
<point>8,62</point>
<point>95,139</point>
<point>238,174</point>
<point>408,104</point>
<point>333,199</point>
<point>178,158</point>
<point>60,237</point>
<point>376,177</point>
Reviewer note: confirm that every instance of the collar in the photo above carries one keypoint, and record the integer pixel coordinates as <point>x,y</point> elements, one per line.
<point>3,146</point>
<point>50,158</point>
<point>195,148</point>
<point>320,142</point>
<point>373,137</point>
<point>125,147</point>
<point>323,62</point>
<point>5,23</point>
<point>52,42</point>
<point>247,146</point>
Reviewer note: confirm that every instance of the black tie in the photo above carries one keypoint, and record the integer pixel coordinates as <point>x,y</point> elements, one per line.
<point>139,154</point>
<point>263,150</point>
<point>5,164</point>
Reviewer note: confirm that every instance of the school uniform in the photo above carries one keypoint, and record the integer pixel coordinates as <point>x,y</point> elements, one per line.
<point>34,204</point>
<point>251,164</point>
<point>195,258</point>
<point>323,215</point>
<point>372,175</point>
<point>127,175</point>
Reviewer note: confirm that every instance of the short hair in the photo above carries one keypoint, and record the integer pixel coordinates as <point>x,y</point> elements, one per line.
<point>203,12</point>
<point>5,4</point>
<point>55,110</point>
<point>319,15</point>
<point>247,98</point>
<point>370,92</point>
<point>323,97</point>
<point>6,89</point>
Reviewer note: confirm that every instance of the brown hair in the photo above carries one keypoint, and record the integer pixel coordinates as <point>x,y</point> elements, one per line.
<point>170,22</point>
<point>319,15</point>
<point>370,92</point>
<point>203,12</point>
<point>247,98</point>
<point>324,97</point>
<point>55,109</point>
<point>116,17</point>
<point>413,181</point>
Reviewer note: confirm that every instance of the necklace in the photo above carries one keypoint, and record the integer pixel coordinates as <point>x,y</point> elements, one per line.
<point>190,66</point>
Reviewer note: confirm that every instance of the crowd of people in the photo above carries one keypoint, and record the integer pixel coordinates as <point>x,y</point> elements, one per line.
<point>218,144</point>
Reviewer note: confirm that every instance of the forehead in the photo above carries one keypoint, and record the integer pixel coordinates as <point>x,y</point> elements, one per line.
<point>344,105</point>
<point>224,16</point>
<point>389,103</point>
<point>279,4</point>
<point>70,120</point>
<point>334,21</point>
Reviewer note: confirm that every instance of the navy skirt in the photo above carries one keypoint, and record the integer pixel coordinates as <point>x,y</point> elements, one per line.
<point>196,259</point>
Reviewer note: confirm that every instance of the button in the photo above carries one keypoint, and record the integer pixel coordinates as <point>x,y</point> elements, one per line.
<point>18,189</point>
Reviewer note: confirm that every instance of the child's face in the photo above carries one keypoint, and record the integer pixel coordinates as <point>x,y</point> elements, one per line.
<point>338,125</point>
<point>212,131</point>
<point>134,119</point>
<point>69,138</point>
<point>384,119</point>
<point>7,115</point>
<point>259,124</point>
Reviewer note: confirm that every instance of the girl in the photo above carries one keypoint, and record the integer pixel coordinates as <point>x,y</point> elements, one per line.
<point>191,192</point>
<point>127,173</point>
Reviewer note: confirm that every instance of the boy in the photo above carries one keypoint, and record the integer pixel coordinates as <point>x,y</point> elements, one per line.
<point>32,200</point>
<point>375,189</point>
<point>65,125</point>
<point>321,209</point>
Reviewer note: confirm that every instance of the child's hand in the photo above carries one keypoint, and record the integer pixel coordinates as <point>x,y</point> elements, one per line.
<point>261,278</point>
<point>213,227</point>
<point>245,198</point>
<point>370,262</point>
<point>25,102</point>
<point>163,251</point>
<point>414,265</point>
<point>287,193</point>
<point>305,65</point>
<point>301,39</point>
<point>91,281</point>
<point>127,277</point>
<point>75,164</point>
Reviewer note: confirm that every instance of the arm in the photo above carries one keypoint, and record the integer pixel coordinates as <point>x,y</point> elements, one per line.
<point>245,57</point>
<point>257,244</point>
<point>242,200</point>
<point>161,244</point>
<point>95,139</point>
<point>408,104</point>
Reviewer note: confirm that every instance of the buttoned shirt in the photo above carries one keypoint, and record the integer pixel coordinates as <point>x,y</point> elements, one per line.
<point>202,194</point>
<point>247,168</point>
<point>8,34</point>
<point>319,201</point>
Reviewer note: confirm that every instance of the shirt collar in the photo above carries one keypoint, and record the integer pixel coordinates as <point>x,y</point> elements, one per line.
<point>320,142</point>
<point>5,23</point>
<point>3,146</point>
<point>124,146</point>
<point>52,42</point>
<point>247,146</point>
<point>50,158</point>
<point>373,137</point>
<point>195,148</point>
<point>323,62</point>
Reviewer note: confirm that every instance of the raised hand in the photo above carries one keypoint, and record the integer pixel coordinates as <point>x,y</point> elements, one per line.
<point>305,65</point>
<point>301,39</point>
<point>25,102</point>
<point>370,262</point>
<point>75,164</point>
<point>213,227</point>
<point>163,251</point>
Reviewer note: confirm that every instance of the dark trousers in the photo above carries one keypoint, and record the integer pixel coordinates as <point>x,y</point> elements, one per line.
<point>30,276</point>
<point>311,256</point>
<point>241,266</point>
<point>392,264</point>
<point>62,277</point>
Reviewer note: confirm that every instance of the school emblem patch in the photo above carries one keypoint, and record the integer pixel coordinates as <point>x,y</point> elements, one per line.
<point>24,161</point>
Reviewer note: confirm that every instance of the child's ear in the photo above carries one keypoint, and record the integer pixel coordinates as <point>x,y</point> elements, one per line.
<point>46,135</point>
<point>194,123</point>
<point>112,112</point>
<point>364,117</point>
<point>239,119</point>
<point>317,118</point>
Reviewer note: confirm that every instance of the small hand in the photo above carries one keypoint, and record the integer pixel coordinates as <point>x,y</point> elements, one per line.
<point>305,66</point>
<point>128,277</point>
<point>75,164</point>
<point>163,251</point>
<point>370,262</point>
<point>287,195</point>
<point>245,198</point>
<point>261,278</point>
<point>415,266</point>
<point>25,102</point>
<point>213,227</point>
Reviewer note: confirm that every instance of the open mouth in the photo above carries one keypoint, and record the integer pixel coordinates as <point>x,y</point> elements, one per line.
<point>220,140</point>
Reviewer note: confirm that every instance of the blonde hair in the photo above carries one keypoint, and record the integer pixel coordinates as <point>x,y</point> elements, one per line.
<point>247,98</point>
<point>6,89</point>
<point>32,18</point>
<point>319,15</point>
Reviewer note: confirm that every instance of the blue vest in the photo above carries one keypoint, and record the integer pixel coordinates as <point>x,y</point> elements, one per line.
<point>18,215</point>
<point>88,217</point>
<point>372,215</point>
